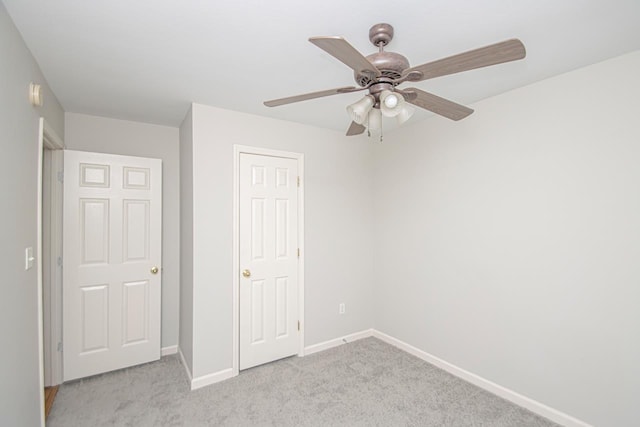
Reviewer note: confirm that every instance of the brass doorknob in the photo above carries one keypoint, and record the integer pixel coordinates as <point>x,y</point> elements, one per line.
<point>246,273</point>
<point>154,270</point>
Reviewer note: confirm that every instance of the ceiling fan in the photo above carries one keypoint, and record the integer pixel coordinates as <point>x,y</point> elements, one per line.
<point>381,73</point>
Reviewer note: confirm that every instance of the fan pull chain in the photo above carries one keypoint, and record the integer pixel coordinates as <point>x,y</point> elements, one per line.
<point>368,125</point>
<point>369,132</point>
<point>369,135</point>
<point>381,127</point>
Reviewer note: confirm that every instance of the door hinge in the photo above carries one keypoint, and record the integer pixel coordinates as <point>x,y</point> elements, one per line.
<point>61,176</point>
<point>298,325</point>
<point>298,181</point>
<point>59,261</point>
<point>60,347</point>
<point>298,252</point>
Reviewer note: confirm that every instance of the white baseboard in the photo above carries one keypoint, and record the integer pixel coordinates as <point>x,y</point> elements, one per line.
<point>184,363</point>
<point>213,378</point>
<point>337,341</point>
<point>510,395</point>
<point>225,374</point>
<point>503,392</point>
<point>205,380</point>
<point>168,350</point>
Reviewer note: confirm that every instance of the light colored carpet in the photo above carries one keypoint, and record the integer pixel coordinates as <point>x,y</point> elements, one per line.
<point>364,383</point>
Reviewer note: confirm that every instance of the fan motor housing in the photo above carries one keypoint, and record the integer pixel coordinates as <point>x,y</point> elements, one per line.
<point>390,64</point>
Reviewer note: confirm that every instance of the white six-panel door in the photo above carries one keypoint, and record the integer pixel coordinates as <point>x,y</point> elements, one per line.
<point>112,246</point>
<point>268,204</point>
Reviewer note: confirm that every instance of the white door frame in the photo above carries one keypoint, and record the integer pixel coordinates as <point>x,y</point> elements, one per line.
<point>237,150</point>
<point>47,140</point>
<point>52,297</point>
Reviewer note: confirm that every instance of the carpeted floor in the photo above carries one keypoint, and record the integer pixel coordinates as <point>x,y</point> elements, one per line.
<point>364,383</point>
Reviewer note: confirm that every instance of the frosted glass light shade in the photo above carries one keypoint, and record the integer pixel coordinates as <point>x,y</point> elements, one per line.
<point>358,111</point>
<point>405,114</point>
<point>391,103</point>
<point>374,122</point>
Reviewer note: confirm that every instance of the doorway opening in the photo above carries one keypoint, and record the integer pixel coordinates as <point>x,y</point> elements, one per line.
<point>49,262</point>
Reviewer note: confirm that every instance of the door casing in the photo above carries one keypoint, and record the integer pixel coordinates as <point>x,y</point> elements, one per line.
<point>237,150</point>
<point>52,256</point>
<point>47,140</point>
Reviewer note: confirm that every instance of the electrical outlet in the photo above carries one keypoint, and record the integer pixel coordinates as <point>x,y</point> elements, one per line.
<point>341,309</point>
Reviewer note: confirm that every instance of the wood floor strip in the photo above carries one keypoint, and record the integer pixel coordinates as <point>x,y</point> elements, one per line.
<point>49,397</point>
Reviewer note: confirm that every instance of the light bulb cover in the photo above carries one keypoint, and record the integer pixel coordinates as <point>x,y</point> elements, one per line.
<point>358,111</point>
<point>405,114</point>
<point>374,121</point>
<point>391,103</point>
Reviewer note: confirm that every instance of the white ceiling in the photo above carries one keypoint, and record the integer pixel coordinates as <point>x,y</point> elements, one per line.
<point>146,60</point>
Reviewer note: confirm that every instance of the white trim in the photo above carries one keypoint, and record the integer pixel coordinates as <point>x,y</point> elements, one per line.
<point>168,350</point>
<point>213,378</point>
<point>326,345</point>
<point>266,152</point>
<point>301,350</point>
<point>51,139</point>
<point>39,269</point>
<point>237,150</point>
<point>235,261</point>
<point>184,363</point>
<point>205,380</point>
<point>510,395</point>
<point>57,218</point>
<point>48,267</point>
<point>47,139</point>
<point>503,392</point>
<point>52,294</point>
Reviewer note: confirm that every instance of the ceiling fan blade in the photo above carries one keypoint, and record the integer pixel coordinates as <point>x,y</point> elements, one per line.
<point>312,95</point>
<point>339,48</point>
<point>435,104</point>
<point>355,129</point>
<point>509,50</point>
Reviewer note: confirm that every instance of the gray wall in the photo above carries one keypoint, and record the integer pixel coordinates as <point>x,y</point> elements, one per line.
<point>19,363</point>
<point>111,136</point>
<point>338,225</point>
<point>508,243</point>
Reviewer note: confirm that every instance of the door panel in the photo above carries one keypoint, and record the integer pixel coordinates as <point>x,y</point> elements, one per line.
<point>112,240</point>
<point>95,318</point>
<point>135,311</point>
<point>94,231</point>
<point>268,249</point>
<point>136,230</point>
